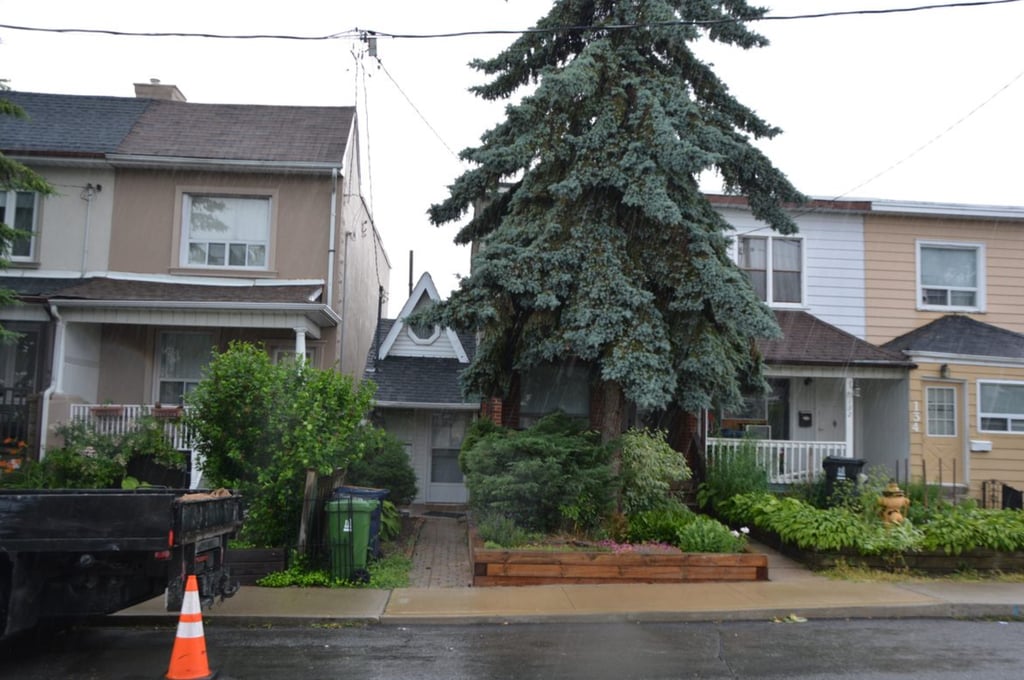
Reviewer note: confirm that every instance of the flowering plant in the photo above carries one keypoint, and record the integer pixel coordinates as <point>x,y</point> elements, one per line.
<point>12,454</point>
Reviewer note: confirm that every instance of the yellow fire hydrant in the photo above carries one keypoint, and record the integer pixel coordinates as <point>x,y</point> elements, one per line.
<point>893,503</point>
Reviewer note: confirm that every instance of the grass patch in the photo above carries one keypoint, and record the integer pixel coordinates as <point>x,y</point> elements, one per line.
<point>843,571</point>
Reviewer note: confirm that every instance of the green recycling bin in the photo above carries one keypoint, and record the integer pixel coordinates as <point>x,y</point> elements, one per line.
<point>348,529</point>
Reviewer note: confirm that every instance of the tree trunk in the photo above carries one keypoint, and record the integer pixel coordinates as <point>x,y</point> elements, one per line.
<point>612,407</point>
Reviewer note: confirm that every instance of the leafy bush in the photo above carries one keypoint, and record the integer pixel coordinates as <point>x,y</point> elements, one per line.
<point>259,426</point>
<point>383,465</point>
<point>659,525</point>
<point>955,529</point>
<point>93,460</point>
<point>677,525</point>
<point>387,573</point>
<point>498,530</point>
<point>705,534</point>
<point>551,477</point>
<point>734,471</point>
<point>649,467</point>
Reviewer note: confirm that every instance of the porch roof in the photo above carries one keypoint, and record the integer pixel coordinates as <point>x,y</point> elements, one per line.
<point>807,340</point>
<point>956,334</point>
<point>244,303</point>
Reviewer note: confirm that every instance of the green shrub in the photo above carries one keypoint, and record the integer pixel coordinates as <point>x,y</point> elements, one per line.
<point>260,426</point>
<point>734,471</point>
<point>93,460</point>
<point>659,525</point>
<point>649,468</point>
<point>554,476</point>
<point>677,525</point>
<point>384,465</point>
<point>387,573</point>
<point>955,529</point>
<point>705,534</point>
<point>498,530</point>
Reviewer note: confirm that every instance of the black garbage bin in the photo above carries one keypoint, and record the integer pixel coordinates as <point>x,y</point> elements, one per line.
<point>368,494</point>
<point>840,470</point>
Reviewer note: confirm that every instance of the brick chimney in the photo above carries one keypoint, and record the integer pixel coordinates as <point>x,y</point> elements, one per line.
<point>154,89</point>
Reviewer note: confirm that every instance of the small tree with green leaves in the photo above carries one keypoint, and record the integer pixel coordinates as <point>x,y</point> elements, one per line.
<point>18,177</point>
<point>650,468</point>
<point>259,426</point>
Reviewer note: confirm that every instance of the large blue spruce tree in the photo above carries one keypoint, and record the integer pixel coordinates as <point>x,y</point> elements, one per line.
<point>600,245</point>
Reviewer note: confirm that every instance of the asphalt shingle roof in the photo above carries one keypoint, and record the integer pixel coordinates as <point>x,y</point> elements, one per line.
<point>959,334</point>
<point>809,340</point>
<point>417,379</point>
<point>241,132</point>
<point>61,124</point>
<point>68,124</point>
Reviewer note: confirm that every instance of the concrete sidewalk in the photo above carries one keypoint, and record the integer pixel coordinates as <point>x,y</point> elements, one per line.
<point>439,595</point>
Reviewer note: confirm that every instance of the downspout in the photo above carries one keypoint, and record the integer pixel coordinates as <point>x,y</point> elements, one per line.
<point>56,378</point>
<point>87,195</point>
<point>332,247</point>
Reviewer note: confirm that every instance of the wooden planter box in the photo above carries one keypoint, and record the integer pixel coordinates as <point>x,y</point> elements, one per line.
<point>534,567</point>
<point>249,565</point>
<point>166,412</point>
<point>106,411</point>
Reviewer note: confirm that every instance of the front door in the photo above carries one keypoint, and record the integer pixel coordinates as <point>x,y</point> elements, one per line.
<point>943,450</point>
<point>445,484</point>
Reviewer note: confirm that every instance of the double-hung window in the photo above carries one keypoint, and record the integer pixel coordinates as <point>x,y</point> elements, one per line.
<point>225,231</point>
<point>182,358</point>
<point>1000,406</point>
<point>950,276</point>
<point>941,405</point>
<point>774,266</point>
<point>18,210</point>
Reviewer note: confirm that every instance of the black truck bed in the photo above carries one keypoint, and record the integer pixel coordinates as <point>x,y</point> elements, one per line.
<point>112,519</point>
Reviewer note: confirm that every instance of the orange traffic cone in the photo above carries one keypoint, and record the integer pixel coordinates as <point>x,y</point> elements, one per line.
<point>188,658</point>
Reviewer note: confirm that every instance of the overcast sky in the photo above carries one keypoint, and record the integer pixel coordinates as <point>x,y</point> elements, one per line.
<point>918,106</point>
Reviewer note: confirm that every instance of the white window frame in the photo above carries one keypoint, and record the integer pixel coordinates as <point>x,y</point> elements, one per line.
<point>280,353</point>
<point>928,400</point>
<point>183,224</point>
<point>770,268</point>
<point>11,197</point>
<point>978,289</point>
<point>1011,418</point>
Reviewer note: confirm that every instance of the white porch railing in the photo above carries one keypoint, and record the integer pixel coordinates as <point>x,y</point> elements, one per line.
<point>787,462</point>
<point>121,418</point>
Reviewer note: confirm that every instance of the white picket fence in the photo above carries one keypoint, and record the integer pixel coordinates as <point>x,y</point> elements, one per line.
<point>787,462</point>
<point>121,418</point>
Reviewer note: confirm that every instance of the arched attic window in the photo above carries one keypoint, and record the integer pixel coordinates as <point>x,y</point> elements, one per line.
<point>423,334</point>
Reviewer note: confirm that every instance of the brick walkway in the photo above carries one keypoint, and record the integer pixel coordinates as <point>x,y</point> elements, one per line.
<point>441,556</point>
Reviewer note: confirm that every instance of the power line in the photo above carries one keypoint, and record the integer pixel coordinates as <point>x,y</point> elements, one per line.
<point>933,139</point>
<point>356,32</point>
<point>414,108</point>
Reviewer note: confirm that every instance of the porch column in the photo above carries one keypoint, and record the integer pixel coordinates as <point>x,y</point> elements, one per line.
<point>848,398</point>
<point>300,345</point>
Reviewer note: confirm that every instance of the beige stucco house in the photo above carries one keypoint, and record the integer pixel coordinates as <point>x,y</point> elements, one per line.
<point>175,228</point>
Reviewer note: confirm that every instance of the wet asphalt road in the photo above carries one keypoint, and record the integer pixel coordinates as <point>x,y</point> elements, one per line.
<point>938,650</point>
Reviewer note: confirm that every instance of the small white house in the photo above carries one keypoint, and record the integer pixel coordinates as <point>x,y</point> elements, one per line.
<point>419,400</point>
